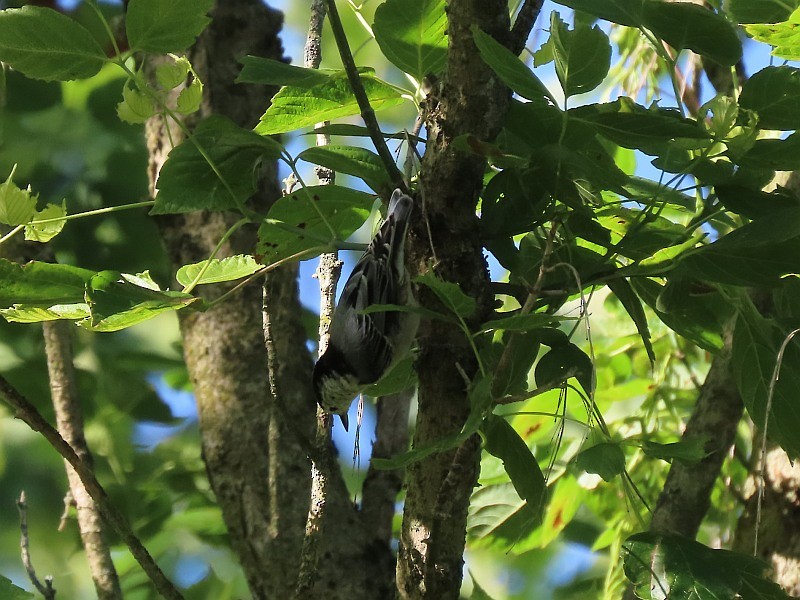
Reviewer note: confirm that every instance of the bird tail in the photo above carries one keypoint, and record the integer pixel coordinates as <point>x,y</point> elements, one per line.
<point>389,243</point>
<point>400,207</point>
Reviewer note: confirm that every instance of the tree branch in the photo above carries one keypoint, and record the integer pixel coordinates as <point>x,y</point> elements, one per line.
<point>63,389</point>
<point>379,493</point>
<point>27,413</point>
<point>367,113</point>
<point>685,499</point>
<point>523,25</point>
<point>46,589</point>
<point>469,99</point>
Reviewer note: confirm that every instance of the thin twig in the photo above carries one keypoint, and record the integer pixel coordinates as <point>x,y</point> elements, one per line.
<point>69,419</point>
<point>367,113</point>
<point>774,380</point>
<point>550,385</point>
<point>328,272</point>
<point>47,590</point>
<point>27,413</point>
<point>505,362</point>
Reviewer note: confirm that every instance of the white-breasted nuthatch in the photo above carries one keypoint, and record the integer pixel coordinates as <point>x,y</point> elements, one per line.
<point>363,347</point>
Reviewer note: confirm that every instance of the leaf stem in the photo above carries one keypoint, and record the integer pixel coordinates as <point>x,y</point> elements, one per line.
<point>231,230</point>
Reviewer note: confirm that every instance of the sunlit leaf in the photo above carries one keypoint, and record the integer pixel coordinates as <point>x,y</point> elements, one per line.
<point>413,35</point>
<point>670,566</point>
<point>188,181</point>
<point>311,218</point>
<point>163,26</point>
<point>604,459</point>
<point>45,44</point>
<point>297,107</point>
<point>217,270</point>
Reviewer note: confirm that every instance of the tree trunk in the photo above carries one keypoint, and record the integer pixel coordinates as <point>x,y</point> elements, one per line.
<point>469,99</point>
<point>256,468</point>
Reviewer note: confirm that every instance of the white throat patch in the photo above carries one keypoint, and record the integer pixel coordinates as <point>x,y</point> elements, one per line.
<point>337,392</point>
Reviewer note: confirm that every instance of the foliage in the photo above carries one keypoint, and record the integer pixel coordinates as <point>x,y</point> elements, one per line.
<point>653,216</point>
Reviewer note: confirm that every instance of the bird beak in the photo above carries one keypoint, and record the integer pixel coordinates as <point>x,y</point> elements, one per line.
<point>345,421</point>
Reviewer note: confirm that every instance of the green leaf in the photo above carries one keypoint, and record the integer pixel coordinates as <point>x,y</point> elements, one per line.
<point>523,322</point>
<point>787,299</point>
<point>785,37</point>
<point>136,106</point>
<point>190,97</point>
<point>777,155</point>
<point>267,71</point>
<point>688,451</point>
<point>419,453</point>
<point>45,44</point>
<point>650,192</point>
<point>11,592</point>
<point>295,107</point>
<point>695,311</point>
<point>478,593</point>
<point>118,301</point>
<point>498,516</point>
<point>400,378</point>
<point>218,270</point>
<point>756,341</point>
<point>624,12</point>
<point>17,206</point>
<point>513,202</point>
<point>164,26</point>
<point>670,566</point>
<point>758,253</point>
<point>772,93</point>
<point>755,204</point>
<point>449,294</point>
<point>513,72</point>
<point>202,520</point>
<point>582,56</point>
<point>187,182</point>
<point>564,359</point>
<point>494,154</point>
<point>686,25</point>
<point>412,34</point>
<point>351,160</point>
<point>348,129</point>
<point>171,74</point>
<point>630,125</point>
<point>640,238</point>
<point>25,313</point>
<point>105,301</point>
<point>44,232</point>
<point>423,312</point>
<point>633,306</point>
<point>502,441</point>
<point>605,459</point>
<point>510,358</point>
<point>297,222</point>
<point>761,11</point>
<point>42,284</point>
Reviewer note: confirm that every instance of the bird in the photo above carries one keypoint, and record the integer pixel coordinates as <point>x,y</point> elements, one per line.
<point>364,347</point>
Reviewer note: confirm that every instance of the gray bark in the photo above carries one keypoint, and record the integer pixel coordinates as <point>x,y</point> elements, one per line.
<point>255,465</point>
<point>469,99</point>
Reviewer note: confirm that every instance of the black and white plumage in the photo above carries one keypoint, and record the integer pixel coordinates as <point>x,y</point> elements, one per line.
<point>363,347</point>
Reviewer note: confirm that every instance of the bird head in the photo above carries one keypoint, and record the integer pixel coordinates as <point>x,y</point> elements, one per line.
<point>335,385</point>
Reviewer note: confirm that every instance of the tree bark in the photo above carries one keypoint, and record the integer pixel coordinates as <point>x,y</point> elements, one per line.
<point>69,422</point>
<point>255,464</point>
<point>686,497</point>
<point>469,99</point>
<point>779,528</point>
